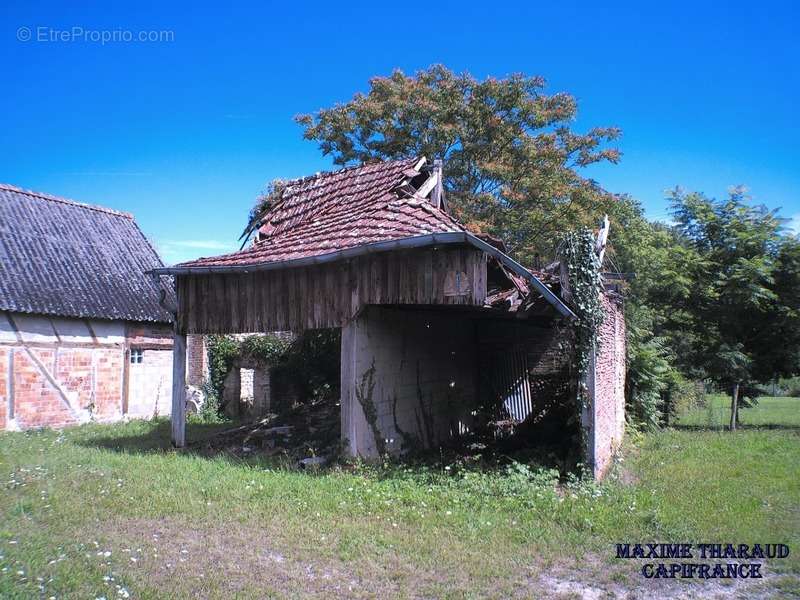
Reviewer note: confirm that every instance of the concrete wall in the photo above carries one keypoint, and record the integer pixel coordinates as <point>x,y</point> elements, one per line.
<point>56,371</point>
<point>408,378</point>
<point>609,387</point>
<point>412,378</point>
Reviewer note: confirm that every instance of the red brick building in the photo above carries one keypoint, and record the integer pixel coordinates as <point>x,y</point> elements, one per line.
<point>82,334</point>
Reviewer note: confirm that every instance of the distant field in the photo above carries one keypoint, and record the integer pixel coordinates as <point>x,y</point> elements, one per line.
<point>770,412</point>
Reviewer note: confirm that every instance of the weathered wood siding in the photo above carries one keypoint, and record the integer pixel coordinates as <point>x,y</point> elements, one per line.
<point>329,295</point>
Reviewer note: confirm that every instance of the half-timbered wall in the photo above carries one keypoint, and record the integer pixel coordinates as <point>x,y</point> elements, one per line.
<point>58,371</point>
<point>329,295</point>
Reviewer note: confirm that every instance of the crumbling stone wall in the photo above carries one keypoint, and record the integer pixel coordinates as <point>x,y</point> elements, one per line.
<point>246,390</point>
<point>609,386</point>
<point>196,360</point>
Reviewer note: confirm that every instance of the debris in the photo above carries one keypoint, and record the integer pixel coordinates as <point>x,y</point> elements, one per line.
<point>306,429</point>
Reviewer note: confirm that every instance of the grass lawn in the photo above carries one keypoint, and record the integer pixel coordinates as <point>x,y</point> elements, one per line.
<point>108,511</point>
<point>769,412</point>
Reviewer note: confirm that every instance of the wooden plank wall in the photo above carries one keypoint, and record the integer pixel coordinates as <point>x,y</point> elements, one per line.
<point>326,295</point>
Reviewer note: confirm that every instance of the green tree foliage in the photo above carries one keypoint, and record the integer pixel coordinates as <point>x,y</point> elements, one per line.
<point>740,310</point>
<point>511,160</point>
<point>656,256</point>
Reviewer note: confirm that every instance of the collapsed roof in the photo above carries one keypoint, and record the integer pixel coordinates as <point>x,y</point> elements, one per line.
<point>358,210</point>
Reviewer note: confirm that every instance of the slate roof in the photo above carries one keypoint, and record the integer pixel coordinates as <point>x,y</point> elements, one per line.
<point>340,210</point>
<point>60,257</point>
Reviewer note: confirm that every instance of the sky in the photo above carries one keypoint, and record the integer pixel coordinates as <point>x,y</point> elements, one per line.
<point>185,128</point>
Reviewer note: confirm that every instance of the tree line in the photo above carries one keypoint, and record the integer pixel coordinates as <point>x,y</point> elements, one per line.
<point>716,290</point>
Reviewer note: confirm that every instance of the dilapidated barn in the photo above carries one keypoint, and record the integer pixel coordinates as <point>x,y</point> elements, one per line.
<point>82,334</point>
<point>436,322</point>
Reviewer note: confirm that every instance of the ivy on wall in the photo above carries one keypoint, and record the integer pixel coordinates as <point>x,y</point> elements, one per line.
<point>582,265</point>
<point>224,350</point>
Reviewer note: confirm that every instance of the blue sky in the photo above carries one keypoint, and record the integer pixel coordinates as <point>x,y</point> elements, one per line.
<point>185,133</point>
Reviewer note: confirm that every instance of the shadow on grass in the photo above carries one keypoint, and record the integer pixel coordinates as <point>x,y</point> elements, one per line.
<point>152,437</point>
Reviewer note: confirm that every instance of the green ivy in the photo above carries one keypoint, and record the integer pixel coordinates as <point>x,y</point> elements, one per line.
<point>222,351</point>
<point>580,258</point>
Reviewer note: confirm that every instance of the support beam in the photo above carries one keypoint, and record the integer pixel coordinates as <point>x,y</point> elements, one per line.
<point>178,415</point>
<point>348,399</point>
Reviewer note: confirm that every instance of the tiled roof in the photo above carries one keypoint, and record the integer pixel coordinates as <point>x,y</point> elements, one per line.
<point>339,210</point>
<point>60,257</point>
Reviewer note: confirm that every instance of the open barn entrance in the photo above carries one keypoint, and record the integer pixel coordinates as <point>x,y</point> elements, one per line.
<point>416,379</point>
<point>411,380</point>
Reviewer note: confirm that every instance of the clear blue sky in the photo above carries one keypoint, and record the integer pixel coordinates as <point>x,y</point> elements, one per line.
<point>185,133</point>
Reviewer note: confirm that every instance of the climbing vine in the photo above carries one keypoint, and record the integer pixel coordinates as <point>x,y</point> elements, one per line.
<point>364,393</point>
<point>584,284</point>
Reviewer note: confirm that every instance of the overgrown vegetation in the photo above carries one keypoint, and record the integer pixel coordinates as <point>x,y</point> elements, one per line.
<point>584,278</point>
<point>710,292</point>
<point>309,361</point>
<point>94,510</point>
<point>512,159</point>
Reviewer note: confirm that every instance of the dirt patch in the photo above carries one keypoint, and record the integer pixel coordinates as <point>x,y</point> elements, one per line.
<point>180,559</point>
<point>594,579</point>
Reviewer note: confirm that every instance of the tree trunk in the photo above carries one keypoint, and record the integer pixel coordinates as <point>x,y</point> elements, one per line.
<point>734,406</point>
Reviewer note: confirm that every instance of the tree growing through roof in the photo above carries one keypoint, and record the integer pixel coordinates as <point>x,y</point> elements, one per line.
<point>742,306</point>
<point>265,201</point>
<point>512,162</point>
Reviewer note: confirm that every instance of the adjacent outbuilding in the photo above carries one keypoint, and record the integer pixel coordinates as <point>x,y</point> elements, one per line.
<point>82,334</point>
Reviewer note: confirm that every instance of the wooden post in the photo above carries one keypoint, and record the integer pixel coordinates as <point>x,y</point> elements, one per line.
<point>602,239</point>
<point>178,415</point>
<point>437,196</point>
<point>347,387</point>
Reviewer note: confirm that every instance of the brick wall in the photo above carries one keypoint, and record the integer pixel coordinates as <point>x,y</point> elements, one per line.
<point>609,387</point>
<point>38,403</point>
<point>4,354</point>
<point>150,384</point>
<point>196,360</point>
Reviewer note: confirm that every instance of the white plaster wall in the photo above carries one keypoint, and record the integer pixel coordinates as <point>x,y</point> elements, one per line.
<point>34,328</point>
<point>72,330</point>
<point>150,385</point>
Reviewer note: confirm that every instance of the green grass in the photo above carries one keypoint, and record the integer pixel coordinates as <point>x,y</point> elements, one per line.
<point>769,412</point>
<point>104,511</point>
